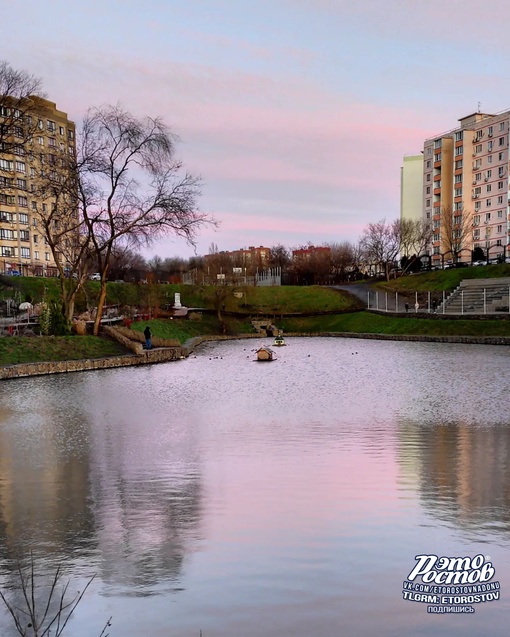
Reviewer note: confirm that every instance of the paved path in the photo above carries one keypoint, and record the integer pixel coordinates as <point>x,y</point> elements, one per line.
<point>379,299</point>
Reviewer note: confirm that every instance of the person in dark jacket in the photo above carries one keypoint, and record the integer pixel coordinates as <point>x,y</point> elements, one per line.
<point>148,337</point>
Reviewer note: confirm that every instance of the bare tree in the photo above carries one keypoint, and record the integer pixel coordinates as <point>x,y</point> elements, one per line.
<point>415,236</point>
<point>279,256</point>
<point>455,230</point>
<point>20,98</point>
<point>342,259</point>
<point>130,186</point>
<point>55,183</point>
<point>380,243</point>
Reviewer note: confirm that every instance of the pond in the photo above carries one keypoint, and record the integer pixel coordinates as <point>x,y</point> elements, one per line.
<point>263,499</point>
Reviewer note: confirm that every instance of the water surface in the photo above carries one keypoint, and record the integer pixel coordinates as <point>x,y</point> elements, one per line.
<point>261,499</point>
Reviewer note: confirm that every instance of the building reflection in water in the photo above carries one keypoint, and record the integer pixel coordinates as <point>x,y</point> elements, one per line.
<point>85,484</point>
<point>461,472</point>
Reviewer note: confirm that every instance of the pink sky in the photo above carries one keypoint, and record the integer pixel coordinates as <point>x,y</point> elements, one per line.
<point>296,115</point>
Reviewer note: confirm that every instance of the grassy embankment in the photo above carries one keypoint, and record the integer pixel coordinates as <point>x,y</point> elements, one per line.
<point>273,302</point>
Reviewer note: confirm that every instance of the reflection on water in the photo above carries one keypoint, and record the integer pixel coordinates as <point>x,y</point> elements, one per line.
<point>253,499</point>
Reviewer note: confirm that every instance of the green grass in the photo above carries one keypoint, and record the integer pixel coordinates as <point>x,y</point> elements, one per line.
<point>368,323</point>
<point>438,280</point>
<point>36,349</point>
<point>183,329</point>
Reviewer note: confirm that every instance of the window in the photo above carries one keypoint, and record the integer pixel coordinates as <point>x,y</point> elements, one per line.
<point>23,218</point>
<point>428,164</point>
<point>478,148</point>
<point>501,171</point>
<point>458,192</point>
<point>489,187</point>
<point>488,174</point>
<point>22,202</point>
<point>51,126</point>
<point>489,159</point>
<point>24,235</point>
<point>61,130</point>
<point>36,255</point>
<point>8,252</point>
<point>500,185</point>
<point>501,141</point>
<point>25,253</point>
<point>498,242</point>
<point>427,190</point>
<point>40,124</point>
<point>436,250</point>
<point>476,233</point>
<point>428,177</point>
<point>20,167</point>
<point>6,234</point>
<point>499,229</point>
<point>40,140</point>
<point>52,142</point>
<point>47,256</point>
<point>458,164</point>
<point>70,134</point>
<point>478,176</point>
<point>7,200</point>
<point>458,179</point>
<point>437,157</point>
<point>437,236</point>
<point>501,126</point>
<point>487,216</point>
<point>6,164</point>
<point>500,199</point>
<point>32,172</point>
<point>34,222</point>
<point>437,143</point>
<point>427,203</point>
<point>477,205</point>
<point>500,156</point>
<point>429,151</point>
<point>459,135</point>
<point>36,238</point>
<point>488,203</point>
<point>476,220</point>
<point>458,206</point>
<point>459,150</point>
<point>7,217</point>
<point>489,146</point>
<point>490,131</point>
<point>21,183</point>
<point>437,223</point>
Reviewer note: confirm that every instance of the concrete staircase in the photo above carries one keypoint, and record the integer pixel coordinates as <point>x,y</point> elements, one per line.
<point>478,296</point>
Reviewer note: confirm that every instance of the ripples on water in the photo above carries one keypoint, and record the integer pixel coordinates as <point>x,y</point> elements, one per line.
<point>261,499</point>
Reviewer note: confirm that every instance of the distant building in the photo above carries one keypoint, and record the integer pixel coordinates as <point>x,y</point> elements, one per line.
<point>308,252</point>
<point>22,245</point>
<point>245,257</point>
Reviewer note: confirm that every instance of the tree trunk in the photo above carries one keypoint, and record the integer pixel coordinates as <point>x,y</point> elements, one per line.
<point>100,306</point>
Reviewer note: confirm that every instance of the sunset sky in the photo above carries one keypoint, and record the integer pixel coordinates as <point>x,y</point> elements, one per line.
<point>296,113</point>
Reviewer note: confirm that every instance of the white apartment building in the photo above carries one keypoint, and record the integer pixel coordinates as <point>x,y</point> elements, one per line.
<point>411,188</point>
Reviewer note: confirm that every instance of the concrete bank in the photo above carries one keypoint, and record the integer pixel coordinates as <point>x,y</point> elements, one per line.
<point>168,354</point>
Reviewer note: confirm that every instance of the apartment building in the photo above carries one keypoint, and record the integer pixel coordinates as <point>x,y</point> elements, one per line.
<point>24,160</point>
<point>465,188</point>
